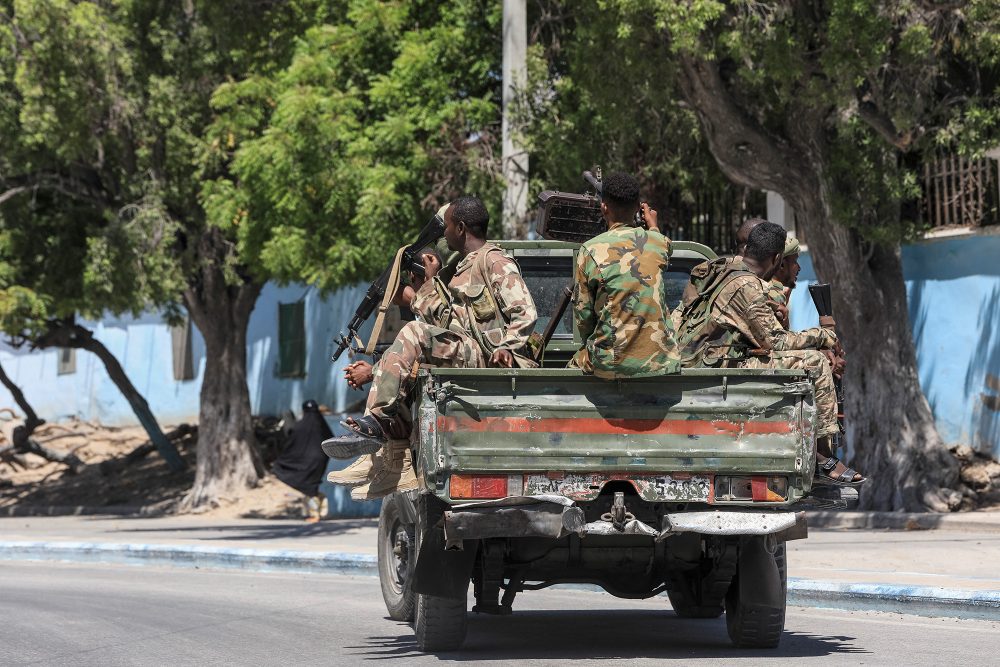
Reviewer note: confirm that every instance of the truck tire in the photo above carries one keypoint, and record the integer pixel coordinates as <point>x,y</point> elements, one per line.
<point>755,611</point>
<point>396,557</point>
<point>440,623</point>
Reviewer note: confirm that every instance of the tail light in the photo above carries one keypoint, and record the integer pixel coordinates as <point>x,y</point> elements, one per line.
<point>758,488</point>
<point>484,487</point>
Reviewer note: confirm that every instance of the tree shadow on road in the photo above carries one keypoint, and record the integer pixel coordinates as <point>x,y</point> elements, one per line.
<point>602,634</point>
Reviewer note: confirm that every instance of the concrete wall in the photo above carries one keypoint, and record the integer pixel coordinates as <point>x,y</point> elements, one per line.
<point>953,286</point>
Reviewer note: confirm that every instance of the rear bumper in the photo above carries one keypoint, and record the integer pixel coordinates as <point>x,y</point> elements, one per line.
<point>556,517</point>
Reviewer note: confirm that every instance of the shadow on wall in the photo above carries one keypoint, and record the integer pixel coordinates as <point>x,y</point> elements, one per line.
<point>982,378</point>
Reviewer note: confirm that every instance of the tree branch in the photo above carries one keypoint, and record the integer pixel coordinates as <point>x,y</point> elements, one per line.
<point>746,152</point>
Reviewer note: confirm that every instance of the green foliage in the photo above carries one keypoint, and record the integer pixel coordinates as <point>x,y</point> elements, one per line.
<point>324,167</point>
<point>308,131</point>
<point>892,80</point>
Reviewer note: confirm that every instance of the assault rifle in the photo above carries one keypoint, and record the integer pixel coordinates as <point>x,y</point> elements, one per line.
<point>822,296</point>
<point>408,260</point>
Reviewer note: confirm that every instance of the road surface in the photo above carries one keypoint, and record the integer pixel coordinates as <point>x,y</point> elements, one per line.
<point>59,614</point>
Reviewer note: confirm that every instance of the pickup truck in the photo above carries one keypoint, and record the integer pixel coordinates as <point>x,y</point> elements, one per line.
<point>686,484</point>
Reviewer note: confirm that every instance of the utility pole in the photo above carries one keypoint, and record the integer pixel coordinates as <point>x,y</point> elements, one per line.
<point>514,158</point>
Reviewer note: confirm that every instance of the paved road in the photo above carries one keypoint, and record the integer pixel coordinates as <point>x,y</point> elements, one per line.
<point>951,559</point>
<point>56,614</point>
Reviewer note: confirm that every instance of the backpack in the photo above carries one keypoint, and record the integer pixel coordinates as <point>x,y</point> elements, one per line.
<point>700,342</point>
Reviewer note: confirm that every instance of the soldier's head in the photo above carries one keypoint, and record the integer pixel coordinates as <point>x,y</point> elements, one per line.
<point>788,270</point>
<point>619,197</point>
<point>465,224</point>
<point>743,233</point>
<point>765,247</point>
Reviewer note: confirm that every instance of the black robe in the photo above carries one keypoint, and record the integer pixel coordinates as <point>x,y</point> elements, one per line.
<point>302,463</point>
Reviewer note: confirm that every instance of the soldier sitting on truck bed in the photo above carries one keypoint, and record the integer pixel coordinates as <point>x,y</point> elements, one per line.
<point>619,296</point>
<point>730,324</point>
<point>483,316</point>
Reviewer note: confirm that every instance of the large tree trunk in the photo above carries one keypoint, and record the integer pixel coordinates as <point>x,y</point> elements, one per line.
<point>227,464</point>
<point>890,426</point>
<point>66,333</point>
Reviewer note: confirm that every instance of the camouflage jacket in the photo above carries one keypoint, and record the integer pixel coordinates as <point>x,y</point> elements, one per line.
<point>729,316</point>
<point>776,292</point>
<point>619,304</point>
<point>485,299</point>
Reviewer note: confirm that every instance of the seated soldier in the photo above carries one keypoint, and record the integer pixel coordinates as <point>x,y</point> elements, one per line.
<point>619,297</point>
<point>483,316</point>
<point>730,324</point>
<point>783,282</point>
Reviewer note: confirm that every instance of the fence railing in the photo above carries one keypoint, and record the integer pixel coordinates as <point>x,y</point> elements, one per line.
<point>959,191</point>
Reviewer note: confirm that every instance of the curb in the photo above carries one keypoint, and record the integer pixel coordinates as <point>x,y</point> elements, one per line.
<point>257,560</point>
<point>965,521</point>
<point>918,600</point>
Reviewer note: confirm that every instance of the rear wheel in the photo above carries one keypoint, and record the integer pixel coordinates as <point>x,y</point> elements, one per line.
<point>396,556</point>
<point>755,610</point>
<point>439,622</point>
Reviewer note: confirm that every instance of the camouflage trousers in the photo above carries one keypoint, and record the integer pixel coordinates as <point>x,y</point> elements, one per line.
<point>817,366</point>
<point>394,376</point>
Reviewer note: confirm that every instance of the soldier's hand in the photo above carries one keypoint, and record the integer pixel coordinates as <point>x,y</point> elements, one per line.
<point>780,312</point>
<point>502,358</point>
<point>649,217</point>
<point>431,265</point>
<point>827,322</point>
<point>358,374</point>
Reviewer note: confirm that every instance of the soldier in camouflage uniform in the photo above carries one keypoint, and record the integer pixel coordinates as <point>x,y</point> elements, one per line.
<point>483,316</point>
<point>619,295</point>
<point>784,279</point>
<point>729,323</point>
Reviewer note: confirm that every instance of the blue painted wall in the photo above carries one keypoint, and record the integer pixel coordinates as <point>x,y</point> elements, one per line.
<point>953,287</point>
<point>143,346</point>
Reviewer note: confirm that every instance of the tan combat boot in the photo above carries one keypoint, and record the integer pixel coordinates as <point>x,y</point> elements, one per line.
<point>359,472</point>
<point>393,473</point>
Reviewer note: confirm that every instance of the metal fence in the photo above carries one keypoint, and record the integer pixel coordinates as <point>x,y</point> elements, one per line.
<point>959,191</point>
<point>713,218</point>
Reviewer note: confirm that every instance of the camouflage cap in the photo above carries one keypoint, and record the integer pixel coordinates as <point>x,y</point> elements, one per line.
<point>791,246</point>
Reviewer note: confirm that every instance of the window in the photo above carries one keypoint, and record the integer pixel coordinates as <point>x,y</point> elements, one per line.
<point>67,361</point>
<point>292,339</point>
<point>180,339</point>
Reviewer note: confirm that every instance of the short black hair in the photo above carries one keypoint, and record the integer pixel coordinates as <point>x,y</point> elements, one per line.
<point>766,240</point>
<point>473,213</point>
<point>620,191</point>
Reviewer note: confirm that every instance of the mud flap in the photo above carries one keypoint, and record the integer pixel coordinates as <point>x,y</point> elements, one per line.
<point>758,576</point>
<point>439,572</point>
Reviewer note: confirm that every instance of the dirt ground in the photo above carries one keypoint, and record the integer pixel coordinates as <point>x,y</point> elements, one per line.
<point>147,485</point>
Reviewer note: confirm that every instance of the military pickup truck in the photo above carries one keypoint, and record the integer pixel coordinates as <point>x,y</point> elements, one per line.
<point>687,484</point>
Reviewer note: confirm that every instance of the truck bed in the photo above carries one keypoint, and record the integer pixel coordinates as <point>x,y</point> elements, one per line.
<point>561,431</point>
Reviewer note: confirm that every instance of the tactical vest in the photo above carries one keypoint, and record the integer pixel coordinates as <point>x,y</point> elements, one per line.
<point>489,322</point>
<point>700,342</point>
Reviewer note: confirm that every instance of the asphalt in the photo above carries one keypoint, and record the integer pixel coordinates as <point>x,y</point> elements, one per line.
<point>58,614</point>
<point>944,571</point>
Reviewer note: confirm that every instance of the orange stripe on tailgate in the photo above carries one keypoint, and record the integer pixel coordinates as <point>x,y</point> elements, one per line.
<point>610,426</point>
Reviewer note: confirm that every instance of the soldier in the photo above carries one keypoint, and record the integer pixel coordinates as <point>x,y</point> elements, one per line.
<point>730,324</point>
<point>484,315</point>
<point>783,281</point>
<point>619,299</point>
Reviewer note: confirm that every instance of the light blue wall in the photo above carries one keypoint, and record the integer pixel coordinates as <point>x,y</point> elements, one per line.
<point>953,287</point>
<point>143,346</point>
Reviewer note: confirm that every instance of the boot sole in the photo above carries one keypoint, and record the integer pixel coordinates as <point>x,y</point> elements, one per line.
<point>375,496</point>
<point>349,484</point>
<point>336,448</point>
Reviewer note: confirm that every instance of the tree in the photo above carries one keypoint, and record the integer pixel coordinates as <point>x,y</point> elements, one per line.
<point>831,104</point>
<point>195,114</point>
